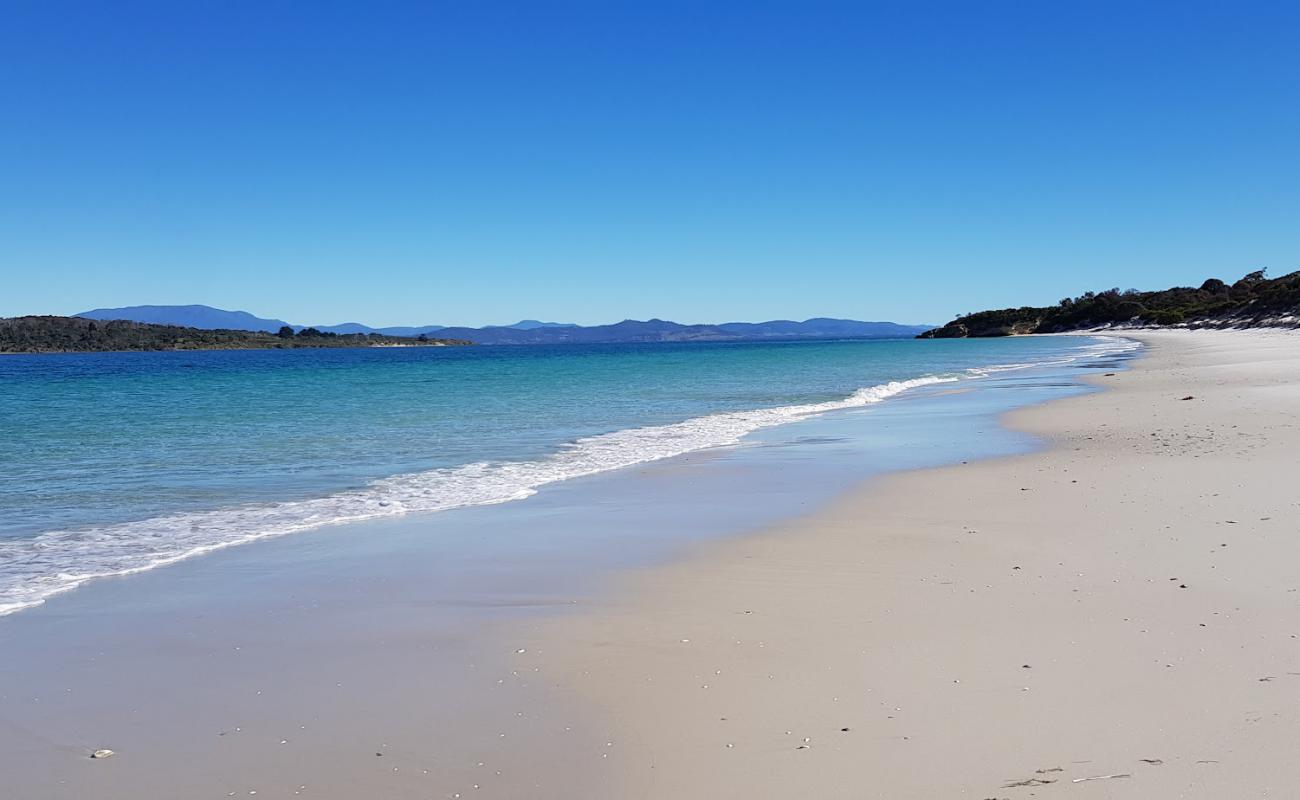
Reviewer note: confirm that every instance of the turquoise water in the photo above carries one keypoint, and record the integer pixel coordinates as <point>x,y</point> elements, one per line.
<point>121,462</point>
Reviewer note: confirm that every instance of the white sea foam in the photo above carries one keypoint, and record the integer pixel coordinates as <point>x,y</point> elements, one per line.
<point>1109,346</point>
<point>34,569</point>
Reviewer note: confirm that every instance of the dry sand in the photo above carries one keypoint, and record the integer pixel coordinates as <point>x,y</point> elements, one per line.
<point>1115,616</point>
<point>1124,603</point>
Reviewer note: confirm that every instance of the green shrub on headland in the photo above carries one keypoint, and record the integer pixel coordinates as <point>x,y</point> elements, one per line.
<point>1253,301</point>
<point>76,334</point>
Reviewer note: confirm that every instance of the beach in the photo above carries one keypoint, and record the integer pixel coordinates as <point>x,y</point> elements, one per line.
<point>616,401</point>
<point>1115,616</point>
<point>1099,601</point>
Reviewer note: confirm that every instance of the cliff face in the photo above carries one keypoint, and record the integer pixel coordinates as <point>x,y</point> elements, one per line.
<point>1253,301</point>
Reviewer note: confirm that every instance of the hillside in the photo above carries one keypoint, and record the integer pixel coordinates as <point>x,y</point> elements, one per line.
<point>192,316</point>
<point>531,331</point>
<point>659,330</point>
<point>75,334</point>
<point>1254,301</point>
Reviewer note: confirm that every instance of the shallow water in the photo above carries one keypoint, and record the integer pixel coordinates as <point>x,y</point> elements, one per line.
<point>123,462</point>
<point>290,662</point>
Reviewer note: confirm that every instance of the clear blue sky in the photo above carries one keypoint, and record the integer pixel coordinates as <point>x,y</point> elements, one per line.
<point>478,162</point>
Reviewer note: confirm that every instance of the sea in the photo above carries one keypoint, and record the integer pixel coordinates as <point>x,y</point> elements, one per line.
<point>119,463</point>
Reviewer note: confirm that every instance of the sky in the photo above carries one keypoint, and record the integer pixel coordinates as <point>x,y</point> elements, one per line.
<point>480,162</point>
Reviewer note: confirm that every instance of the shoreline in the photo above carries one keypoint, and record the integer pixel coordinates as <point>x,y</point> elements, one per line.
<point>295,660</point>
<point>1113,615</point>
<point>64,563</point>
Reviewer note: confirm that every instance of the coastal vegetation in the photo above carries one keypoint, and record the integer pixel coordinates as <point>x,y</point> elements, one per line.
<point>1253,301</point>
<point>49,334</point>
<point>531,331</point>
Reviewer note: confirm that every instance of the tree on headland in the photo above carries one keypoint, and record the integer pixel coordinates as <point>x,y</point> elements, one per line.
<point>77,334</point>
<point>1250,280</point>
<point>1254,300</point>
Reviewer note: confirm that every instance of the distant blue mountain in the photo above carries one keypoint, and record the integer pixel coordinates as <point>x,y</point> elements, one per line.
<point>409,331</point>
<point>658,330</point>
<point>531,331</point>
<point>357,327</point>
<point>205,317</point>
<point>818,326</point>
<point>345,327</point>
<point>532,324</point>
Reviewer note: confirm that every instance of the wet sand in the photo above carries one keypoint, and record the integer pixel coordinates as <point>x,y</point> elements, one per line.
<point>383,659</point>
<point>1121,603</point>
<point>1115,616</point>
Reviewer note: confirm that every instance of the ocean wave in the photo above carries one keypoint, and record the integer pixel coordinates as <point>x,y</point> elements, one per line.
<point>35,569</point>
<point>1109,347</point>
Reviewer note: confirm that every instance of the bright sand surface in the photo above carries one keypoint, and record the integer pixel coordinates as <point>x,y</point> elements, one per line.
<point>969,625</point>
<point>1114,616</point>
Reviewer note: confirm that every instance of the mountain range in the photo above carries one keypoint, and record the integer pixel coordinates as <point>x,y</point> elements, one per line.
<point>530,331</point>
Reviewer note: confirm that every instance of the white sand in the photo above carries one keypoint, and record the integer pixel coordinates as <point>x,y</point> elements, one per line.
<point>906,613</point>
<point>1125,603</point>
